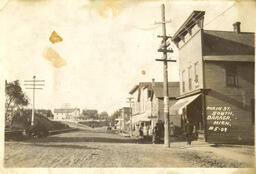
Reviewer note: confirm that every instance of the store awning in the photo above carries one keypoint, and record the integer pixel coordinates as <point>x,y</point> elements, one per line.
<point>182,103</point>
<point>141,117</point>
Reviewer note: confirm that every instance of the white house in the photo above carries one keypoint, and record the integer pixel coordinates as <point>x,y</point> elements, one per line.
<point>66,114</point>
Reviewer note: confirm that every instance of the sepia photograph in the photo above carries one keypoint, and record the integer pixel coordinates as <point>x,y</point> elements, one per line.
<point>128,84</point>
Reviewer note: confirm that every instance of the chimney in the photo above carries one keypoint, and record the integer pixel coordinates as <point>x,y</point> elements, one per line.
<point>237,27</point>
<point>153,82</point>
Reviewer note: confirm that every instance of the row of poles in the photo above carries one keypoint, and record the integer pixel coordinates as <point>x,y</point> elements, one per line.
<point>38,84</point>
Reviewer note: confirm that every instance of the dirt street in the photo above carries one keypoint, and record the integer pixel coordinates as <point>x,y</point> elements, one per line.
<point>99,148</point>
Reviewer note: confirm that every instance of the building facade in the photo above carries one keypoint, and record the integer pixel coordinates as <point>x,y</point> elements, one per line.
<point>148,105</point>
<point>124,119</point>
<point>67,114</point>
<point>216,71</point>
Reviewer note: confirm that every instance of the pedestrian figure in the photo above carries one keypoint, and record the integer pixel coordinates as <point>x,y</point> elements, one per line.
<point>141,131</point>
<point>195,132</point>
<point>189,132</point>
<point>172,129</point>
<point>140,134</point>
<point>155,137</point>
<point>145,131</point>
<point>149,130</point>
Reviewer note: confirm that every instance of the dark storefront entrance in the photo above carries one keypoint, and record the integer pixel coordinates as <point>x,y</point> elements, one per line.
<point>187,109</point>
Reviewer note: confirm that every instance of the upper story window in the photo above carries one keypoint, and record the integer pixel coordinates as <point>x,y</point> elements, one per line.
<point>231,75</point>
<point>149,93</point>
<point>183,81</point>
<point>189,78</point>
<point>196,75</point>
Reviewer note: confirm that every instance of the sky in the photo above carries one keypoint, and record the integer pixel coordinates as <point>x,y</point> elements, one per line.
<point>106,45</point>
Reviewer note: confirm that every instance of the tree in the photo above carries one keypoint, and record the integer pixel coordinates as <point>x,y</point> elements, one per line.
<point>90,114</point>
<point>14,95</point>
<point>103,115</point>
<point>115,115</point>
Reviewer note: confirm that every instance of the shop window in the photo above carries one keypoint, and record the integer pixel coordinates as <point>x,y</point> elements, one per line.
<point>149,93</point>
<point>196,75</point>
<point>183,81</point>
<point>189,78</point>
<point>231,75</point>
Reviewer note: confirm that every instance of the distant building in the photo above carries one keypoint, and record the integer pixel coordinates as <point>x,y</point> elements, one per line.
<point>124,118</point>
<point>216,71</point>
<point>45,112</point>
<point>148,105</point>
<point>67,114</point>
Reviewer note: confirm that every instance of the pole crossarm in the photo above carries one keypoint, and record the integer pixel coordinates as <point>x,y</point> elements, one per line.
<point>165,50</point>
<point>33,84</point>
<point>163,22</point>
<point>34,81</point>
<point>130,102</point>
<point>165,37</point>
<point>167,60</point>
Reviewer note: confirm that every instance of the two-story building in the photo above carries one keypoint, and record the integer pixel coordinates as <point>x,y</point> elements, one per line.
<point>148,105</point>
<point>216,71</point>
<point>66,114</point>
<point>124,118</point>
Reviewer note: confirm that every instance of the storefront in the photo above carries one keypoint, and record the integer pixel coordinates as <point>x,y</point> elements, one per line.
<point>142,121</point>
<point>187,109</point>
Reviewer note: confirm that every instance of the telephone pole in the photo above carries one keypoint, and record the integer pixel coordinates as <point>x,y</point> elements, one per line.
<point>130,102</point>
<point>164,50</point>
<point>33,84</point>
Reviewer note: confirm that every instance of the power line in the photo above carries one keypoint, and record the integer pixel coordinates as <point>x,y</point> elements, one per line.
<point>192,23</point>
<point>210,20</point>
<point>164,49</point>
<point>33,84</point>
<point>220,14</point>
<point>157,69</point>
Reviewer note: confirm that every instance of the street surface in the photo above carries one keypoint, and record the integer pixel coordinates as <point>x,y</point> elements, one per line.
<point>101,148</point>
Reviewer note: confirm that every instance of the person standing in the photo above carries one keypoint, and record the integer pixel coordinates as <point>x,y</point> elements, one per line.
<point>189,131</point>
<point>172,129</point>
<point>155,137</point>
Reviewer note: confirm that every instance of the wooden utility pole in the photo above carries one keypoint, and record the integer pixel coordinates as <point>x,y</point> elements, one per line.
<point>35,85</point>
<point>163,48</point>
<point>130,102</point>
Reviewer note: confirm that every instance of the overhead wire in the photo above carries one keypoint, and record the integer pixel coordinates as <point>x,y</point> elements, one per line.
<point>220,14</point>
<point>213,19</point>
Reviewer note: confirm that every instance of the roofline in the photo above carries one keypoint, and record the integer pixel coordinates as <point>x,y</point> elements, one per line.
<point>133,89</point>
<point>183,26</point>
<point>231,31</point>
<point>145,84</point>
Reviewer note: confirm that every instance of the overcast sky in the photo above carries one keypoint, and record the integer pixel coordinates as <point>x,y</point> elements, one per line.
<point>106,45</point>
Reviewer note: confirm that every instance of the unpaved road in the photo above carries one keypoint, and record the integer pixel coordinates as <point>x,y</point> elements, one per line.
<point>99,148</point>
